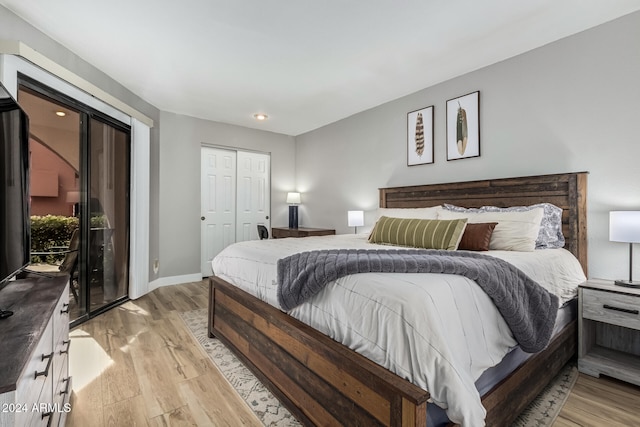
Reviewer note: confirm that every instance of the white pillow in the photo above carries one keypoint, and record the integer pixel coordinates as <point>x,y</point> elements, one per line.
<point>516,231</point>
<point>550,234</point>
<point>418,213</point>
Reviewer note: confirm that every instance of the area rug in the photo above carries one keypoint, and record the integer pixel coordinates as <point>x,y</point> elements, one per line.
<point>542,412</point>
<point>264,404</point>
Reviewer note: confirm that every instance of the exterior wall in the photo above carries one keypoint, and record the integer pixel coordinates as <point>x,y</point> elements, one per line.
<point>45,160</point>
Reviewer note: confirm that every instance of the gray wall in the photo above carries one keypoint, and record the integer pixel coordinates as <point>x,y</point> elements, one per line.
<point>13,27</point>
<point>569,106</point>
<point>180,142</point>
<point>175,158</point>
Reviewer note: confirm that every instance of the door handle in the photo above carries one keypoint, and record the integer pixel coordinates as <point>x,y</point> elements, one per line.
<point>266,217</point>
<point>202,218</point>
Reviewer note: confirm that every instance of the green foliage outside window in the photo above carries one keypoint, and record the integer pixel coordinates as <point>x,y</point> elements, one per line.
<point>52,233</point>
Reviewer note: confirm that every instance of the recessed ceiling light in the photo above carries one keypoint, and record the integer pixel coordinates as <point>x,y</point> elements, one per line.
<point>260,116</point>
<point>60,113</point>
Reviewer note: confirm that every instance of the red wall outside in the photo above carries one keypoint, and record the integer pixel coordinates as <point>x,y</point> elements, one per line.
<point>45,160</point>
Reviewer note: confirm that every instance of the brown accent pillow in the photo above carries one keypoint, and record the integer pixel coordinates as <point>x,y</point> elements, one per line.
<point>476,237</point>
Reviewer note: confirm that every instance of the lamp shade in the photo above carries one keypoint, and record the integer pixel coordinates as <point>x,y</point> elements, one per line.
<point>624,226</point>
<point>293,198</point>
<point>355,218</point>
<point>73,196</point>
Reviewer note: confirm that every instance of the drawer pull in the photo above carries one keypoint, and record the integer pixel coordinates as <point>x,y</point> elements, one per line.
<point>624,310</point>
<point>68,344</point>
<point>66,308</point>
<point>66,387</point>
<point>46,370</point>
<point>48,415</point>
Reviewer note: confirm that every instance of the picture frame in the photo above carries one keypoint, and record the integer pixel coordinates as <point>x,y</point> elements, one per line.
<point>420,136</point>
<point>463,126</point>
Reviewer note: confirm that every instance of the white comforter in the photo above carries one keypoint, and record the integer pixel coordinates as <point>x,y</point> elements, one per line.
<point>438,331</point>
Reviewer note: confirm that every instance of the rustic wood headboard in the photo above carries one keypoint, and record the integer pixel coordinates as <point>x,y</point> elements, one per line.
<point>566,190</point>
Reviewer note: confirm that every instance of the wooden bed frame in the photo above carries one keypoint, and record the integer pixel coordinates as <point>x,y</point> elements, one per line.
<point>325,383</point>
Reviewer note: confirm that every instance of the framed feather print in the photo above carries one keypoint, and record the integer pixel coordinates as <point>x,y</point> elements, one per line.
<point>463,126</point>
<point>420,137</point>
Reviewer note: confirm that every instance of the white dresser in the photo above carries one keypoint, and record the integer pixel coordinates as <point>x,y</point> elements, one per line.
<point>34,344</point>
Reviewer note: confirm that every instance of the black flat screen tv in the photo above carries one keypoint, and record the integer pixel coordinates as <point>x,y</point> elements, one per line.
<point>15,223</point>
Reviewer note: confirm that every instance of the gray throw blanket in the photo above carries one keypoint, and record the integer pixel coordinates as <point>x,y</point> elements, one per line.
<point>528,308</point>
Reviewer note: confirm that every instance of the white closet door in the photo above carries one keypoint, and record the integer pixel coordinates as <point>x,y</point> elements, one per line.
<point>253,195</point>
<point>218,205</point>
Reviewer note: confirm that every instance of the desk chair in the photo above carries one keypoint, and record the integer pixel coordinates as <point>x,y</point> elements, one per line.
<point>69,264</point>
<point>263,232</point>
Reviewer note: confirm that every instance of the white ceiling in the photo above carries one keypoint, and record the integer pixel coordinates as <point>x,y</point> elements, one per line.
<point>304,63</point>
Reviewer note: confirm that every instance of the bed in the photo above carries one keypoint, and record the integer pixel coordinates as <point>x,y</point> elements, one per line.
<point>325,383</point>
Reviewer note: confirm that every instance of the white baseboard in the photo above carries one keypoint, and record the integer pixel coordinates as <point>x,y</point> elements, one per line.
<point>174,280</point>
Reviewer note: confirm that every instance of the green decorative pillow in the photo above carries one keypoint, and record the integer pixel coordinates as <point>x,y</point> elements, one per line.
<point>419,233</point>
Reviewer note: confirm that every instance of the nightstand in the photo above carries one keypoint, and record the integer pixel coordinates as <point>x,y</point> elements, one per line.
<point>279,232</point>
<point>609,330</point>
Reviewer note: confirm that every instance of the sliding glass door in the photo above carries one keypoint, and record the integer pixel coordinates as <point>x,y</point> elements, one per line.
<point>108,210</point>
<point>80,181</point>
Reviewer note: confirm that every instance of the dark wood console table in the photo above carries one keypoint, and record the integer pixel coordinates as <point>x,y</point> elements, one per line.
<point>280,232</point>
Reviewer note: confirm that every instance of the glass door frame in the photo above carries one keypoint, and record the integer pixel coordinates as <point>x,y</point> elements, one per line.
<point>86,114</point>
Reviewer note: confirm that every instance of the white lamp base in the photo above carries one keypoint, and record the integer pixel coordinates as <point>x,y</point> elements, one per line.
<point>628,283</point>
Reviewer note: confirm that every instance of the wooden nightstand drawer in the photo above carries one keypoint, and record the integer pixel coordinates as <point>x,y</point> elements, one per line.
<point>609,330</point>
<point>613,308</point>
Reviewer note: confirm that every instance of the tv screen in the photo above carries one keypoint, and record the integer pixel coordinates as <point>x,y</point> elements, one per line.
<point>15,224</point>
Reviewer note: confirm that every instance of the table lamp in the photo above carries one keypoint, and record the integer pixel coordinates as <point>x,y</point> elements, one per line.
<point>355,219</point>
<point>624,226</point>
<point>294,200</point>
<point>73,197</point>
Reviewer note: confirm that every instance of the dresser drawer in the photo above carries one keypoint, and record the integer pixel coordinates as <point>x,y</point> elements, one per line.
<point>613,308</point>
<point>61,317</point>
<point>36,383</point>
<point>61,390</point>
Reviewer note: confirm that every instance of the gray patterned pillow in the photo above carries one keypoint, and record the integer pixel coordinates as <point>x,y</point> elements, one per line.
<point>455,208</point>
<point>550,234</point>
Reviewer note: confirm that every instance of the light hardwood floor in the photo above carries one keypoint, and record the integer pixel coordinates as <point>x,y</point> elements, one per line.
<point>137,365</point>
<point>601,402</point>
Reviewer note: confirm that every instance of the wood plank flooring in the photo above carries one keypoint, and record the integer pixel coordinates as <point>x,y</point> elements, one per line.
<point>136,365</point>
<point>603,401</point>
